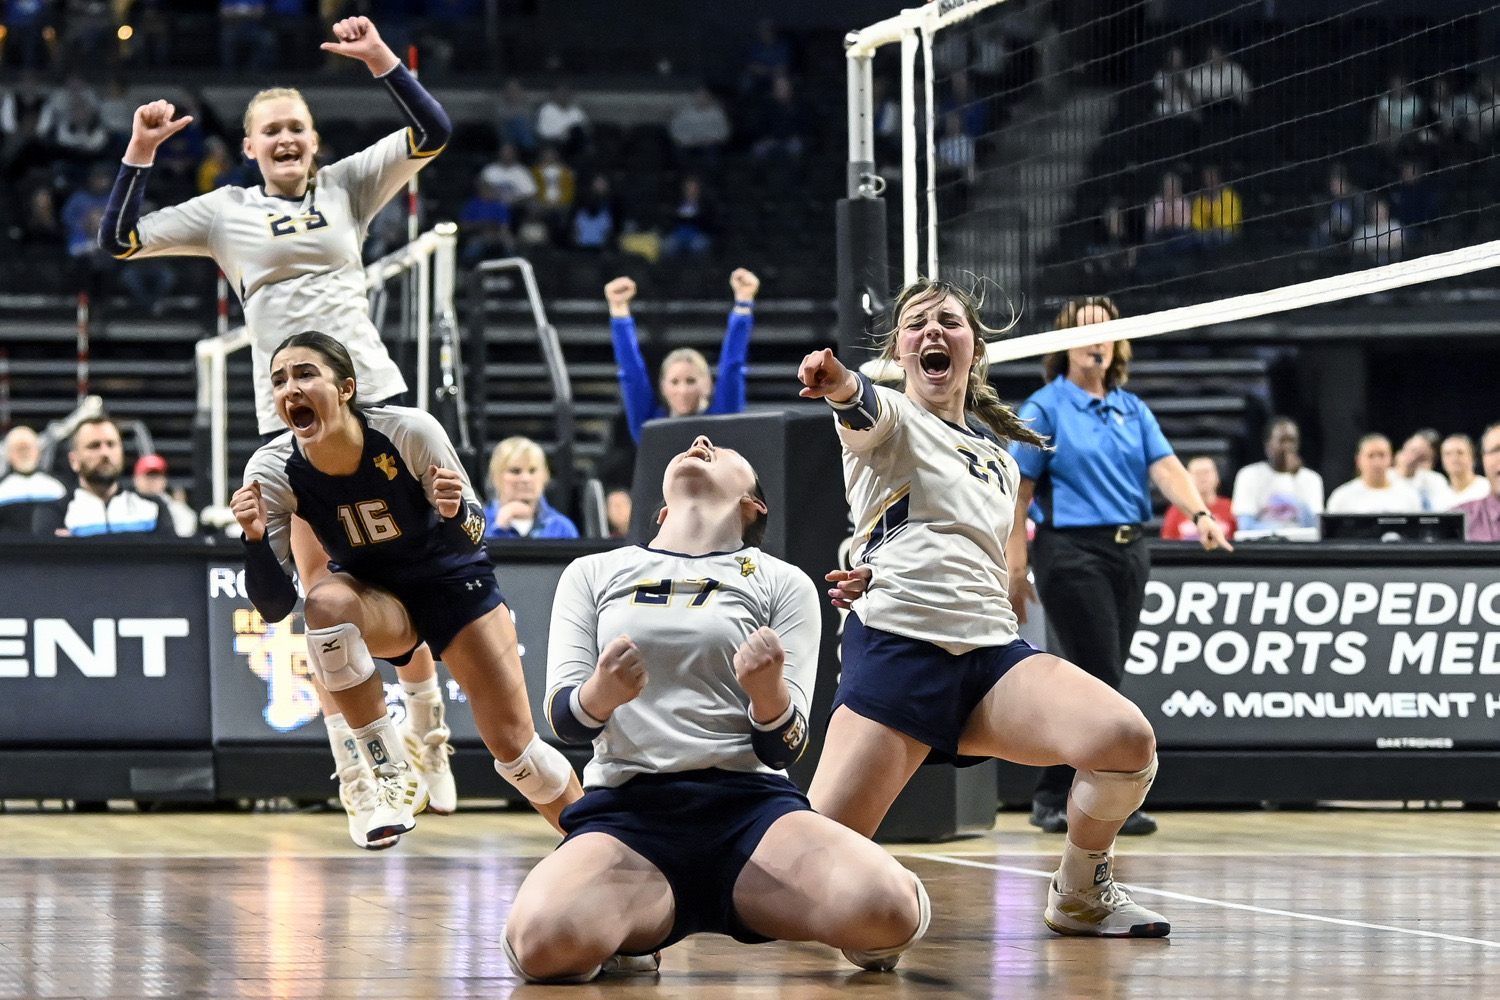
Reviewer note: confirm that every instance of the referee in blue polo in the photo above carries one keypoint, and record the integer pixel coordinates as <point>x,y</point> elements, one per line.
<point>1093,488</point>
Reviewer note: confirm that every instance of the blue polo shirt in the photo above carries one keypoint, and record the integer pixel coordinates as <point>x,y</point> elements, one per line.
<point>1097,473</point>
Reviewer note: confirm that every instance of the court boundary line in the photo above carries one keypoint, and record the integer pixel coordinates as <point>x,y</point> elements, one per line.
<point>1366,855</point>
<point>1225,904</point>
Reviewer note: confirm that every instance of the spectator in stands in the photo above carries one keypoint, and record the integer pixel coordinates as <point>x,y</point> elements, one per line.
<point>693,222</point>
<point>1205,473</point>
<point>700,129</point>
<point>1414,201</point>
<point>1380,240</point>
<point>485,222</point>
<point>555,191</point>
<point>28,24</point>
<point>1111,252</point>
<point>1458,464</point>
<point>1174,92</point>
<point>1399,112</point>
<point>519,475</point>
<point>20,120</point>
<point>245,42</point>
<point>39,227</point>
<point>1280,492</point>
<point>100,505</point>
<point>117,115</point>
<point>685,383</point>
<point>1413,465</point>
<point>216,166</point>
<point>561,122</point>
<point>782,127</point>
<point>1482,517</point>
<point>88,38</point>
<point>91,265</point>
<point>973,116</point>
<point>513,179</point>
<point>769,57</point>
<point>617,508</point>
<point>71,130</point>
<point>1344,213</point>
<point>151,481</point>
<point>595,217</point>
<point>1374,490</point>
<point>1219,85</point>
<point>513,118</point>
<point>1169,231</point>
<point>1217,211</point>
<point>24,487</point>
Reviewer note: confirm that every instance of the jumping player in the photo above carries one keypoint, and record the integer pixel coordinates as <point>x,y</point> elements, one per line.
<point>932,666</point>
<point>385,495</point>
<point>689,663</point>
<point>291,250</point>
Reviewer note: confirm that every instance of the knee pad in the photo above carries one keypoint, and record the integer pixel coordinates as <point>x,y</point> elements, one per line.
<point>339,657</point>
<point>541,773</point>
<point>510,956</point>
<point>1111,796</point>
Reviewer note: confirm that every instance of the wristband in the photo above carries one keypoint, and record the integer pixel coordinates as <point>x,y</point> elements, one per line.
<point>744,305</point>
<point>1201,513</point>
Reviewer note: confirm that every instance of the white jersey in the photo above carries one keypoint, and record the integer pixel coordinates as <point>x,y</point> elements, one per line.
<point>295,263</point>
<point>688,615</point>
<point>933,505</point>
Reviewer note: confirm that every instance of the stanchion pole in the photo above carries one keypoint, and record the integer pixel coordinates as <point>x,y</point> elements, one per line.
<point>223,304</point>
<point>83,345</point>
<point>4,389</point>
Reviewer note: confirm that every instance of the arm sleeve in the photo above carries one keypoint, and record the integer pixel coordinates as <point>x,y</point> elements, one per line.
<point>568,719</point>
<point>572,644</point>
<point>178,230</point>
<point>635,383</point>
<point>868,419</point>
<point>266,582</point>
<point>268,562</point>
<point>729,389</point>
<point>374,175</point>
<point>1152,438</point>
<point>423,443</point>
<point>1031,460</point>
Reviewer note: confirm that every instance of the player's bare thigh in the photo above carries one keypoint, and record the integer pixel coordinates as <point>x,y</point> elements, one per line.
<point>587,900</point>
<point>1046,710</point>
<point>863,767</point>
<point>382,619</point>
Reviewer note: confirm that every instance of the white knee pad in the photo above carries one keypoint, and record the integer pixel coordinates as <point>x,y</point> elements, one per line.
<point>541,773</point>
<point>339,657</point>
<point>1111,796</point>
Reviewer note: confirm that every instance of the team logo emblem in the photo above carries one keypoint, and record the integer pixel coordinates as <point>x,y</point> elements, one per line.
<point>746,566</point>
<point>386,464</point>
<point>474,526</point>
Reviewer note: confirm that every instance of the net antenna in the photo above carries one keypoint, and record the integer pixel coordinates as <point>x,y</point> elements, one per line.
<point>1049,173</point>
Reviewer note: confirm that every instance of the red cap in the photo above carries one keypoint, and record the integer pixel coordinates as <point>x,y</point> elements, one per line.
<point>150,463</point>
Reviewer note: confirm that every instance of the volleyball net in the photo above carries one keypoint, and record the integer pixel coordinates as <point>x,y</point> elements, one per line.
<point>1199,170</point>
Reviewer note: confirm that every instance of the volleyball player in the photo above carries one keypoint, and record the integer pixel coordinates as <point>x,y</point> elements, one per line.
<point>385,495</point>
<point>689,664</point>
<point>291,250</point>
<point>932,666</point>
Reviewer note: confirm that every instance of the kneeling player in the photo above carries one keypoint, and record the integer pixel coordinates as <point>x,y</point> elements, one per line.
<point>383,490</point>
<point>689,663</point>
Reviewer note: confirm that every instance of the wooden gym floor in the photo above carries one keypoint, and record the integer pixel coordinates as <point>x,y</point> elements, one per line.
<point>1375,904</point>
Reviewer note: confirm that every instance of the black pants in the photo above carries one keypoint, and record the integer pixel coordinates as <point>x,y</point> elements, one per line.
<point>1092,589</point>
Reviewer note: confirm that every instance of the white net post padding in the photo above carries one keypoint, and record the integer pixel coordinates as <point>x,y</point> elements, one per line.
<point>430,257</point>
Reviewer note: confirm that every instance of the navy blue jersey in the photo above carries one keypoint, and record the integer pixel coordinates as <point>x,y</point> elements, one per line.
<point>377,523</point>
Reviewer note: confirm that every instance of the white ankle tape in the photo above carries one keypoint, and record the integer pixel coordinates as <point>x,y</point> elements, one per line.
<point>541,773</point>
<point>339,657</point>
<point>1111,796</point>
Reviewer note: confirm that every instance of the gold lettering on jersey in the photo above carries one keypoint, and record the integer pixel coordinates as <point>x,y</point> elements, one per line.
<point>368,522</point>
<point>386,464</point>
<point>659,593</point>
<point>983,469</point>
<point>291,225</point>
<point>796,732</point>
<point>474,526</point>
<point>747,567</point>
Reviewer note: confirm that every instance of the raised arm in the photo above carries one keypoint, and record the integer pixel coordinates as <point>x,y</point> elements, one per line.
<point>118,229</point>
<point>729,387</point>
<point>635,381</point>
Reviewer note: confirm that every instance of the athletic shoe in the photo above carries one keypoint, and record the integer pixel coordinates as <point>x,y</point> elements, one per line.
<point>885,959</point>
<point>357,791</point>
<point>1102,910</point>
<point>430,753</point>
<point>401,794</point>
<point>1137,824</point>
<point>627,964</point>
<point>1052,819</point>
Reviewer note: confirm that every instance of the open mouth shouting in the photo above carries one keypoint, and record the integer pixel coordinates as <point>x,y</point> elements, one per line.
<point>934,360</point>
<point>302,417</point>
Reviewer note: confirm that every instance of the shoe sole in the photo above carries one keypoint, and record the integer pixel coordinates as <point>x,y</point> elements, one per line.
<point>1155,929</point>
<point>389,832</point>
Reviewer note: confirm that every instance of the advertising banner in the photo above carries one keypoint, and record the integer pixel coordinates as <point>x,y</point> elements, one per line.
<point>263,691</point>
<point>102,651</point>
<point>1388,657</point>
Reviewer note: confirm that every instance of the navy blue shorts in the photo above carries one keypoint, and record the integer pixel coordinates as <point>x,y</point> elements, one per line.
<point>440,609</point>
<point>698,828</point>
<point>919,688</point>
